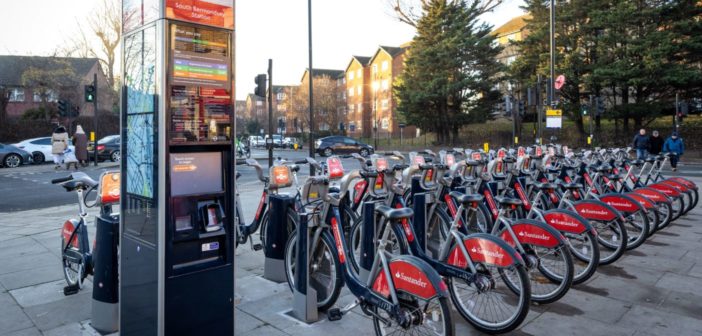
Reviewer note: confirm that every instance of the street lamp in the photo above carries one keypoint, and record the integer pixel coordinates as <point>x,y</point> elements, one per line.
<point>375,112</point>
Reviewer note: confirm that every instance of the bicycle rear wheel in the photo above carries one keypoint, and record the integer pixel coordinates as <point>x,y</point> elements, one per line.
<point>611,235</point>
<point>487,303</point>
<point>586,253</point>
<point>636,229</point>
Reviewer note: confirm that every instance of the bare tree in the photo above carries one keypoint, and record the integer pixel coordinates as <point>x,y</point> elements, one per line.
<point>325,104</point>
<point>410,11</point>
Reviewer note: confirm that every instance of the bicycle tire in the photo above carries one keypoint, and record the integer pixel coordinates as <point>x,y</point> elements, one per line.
<point>405,300</point>
<point>587,253</point>
<point>509,324</point>
<point>613,248</point>
<point>665,211</point>
<point>354,243</point>
<point>326,297</point>
<point>291,225</point>
<point>637,231</point>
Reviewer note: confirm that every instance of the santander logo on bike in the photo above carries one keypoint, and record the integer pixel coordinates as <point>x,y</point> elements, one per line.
<point>564,222</point>
<point>411,280</point>
<point>488,253</point>
<point>593,212</point>
<point>539,236</point>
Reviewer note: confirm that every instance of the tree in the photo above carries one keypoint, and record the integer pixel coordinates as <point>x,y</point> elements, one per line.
<point>450,71</point>
<point>411,11</point>
<point>325,112</point>
<point>106,26</point>
<point>50,79</point>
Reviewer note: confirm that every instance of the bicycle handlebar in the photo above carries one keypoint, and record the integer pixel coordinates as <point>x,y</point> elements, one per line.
<point>61,180</point>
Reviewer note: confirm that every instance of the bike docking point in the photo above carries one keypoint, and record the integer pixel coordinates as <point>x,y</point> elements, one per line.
<point>368,238</point>
<point>419,221</point>
<point>304,296</point>
<point>276,238</point>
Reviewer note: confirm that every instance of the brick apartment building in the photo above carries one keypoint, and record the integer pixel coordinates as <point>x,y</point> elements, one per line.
<point>329,101</point>
<point>78,72</point>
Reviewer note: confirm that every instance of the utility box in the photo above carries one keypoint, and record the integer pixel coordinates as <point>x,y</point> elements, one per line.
<point>177,209</point>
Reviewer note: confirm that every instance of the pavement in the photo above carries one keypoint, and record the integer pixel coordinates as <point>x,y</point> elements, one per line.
<point>653,290</point>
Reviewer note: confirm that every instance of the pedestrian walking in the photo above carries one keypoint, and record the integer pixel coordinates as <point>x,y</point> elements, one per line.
<point>59,143</point>
<point>80,144</point>
<point>656,143</point>
<point>674,145</point>
<point>641,144</point>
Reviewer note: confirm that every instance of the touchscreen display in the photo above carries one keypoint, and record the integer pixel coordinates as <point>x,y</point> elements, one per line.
<point>196,173</point>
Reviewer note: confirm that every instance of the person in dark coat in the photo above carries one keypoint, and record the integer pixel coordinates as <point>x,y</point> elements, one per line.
<point>656,143</point>
<point>80,142</point>
<point>641,144</point>
<point>674,145</point>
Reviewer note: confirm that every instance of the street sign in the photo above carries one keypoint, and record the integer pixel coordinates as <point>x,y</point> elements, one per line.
<point>401,125</point>
<point>554,113</point>
<point>560,81</point>
<point>554,122</point>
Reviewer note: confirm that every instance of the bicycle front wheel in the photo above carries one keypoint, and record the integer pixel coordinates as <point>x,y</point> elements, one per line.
<point>487,303</point>
<point>586,253</point>
<point>324,266</point>
<point>428,317</point>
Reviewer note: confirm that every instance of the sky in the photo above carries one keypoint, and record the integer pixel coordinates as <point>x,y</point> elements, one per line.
<point>265,29</point>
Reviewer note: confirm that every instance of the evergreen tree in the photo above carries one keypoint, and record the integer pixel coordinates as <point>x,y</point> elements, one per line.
<point>450,71</point>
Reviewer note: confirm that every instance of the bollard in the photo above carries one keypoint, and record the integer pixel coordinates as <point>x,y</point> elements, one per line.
<point>368,237</point>
<point>276,238</point>
<point>105,308</point>
<point>304,296</point>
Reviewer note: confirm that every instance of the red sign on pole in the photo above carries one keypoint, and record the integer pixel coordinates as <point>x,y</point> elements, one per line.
<point>216,13</point>
<point>560,81</point>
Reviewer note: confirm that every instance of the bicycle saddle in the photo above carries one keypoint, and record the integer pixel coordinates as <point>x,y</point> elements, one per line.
<point>545,186</point>
<point>650,159</point>
<point>508,201</point>
<point>79,180</point>
<point>391,213</point>
<point>466,198</point>
<point>472,163</point>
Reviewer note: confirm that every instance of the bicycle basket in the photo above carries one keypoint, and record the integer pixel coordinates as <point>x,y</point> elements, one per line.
<point>280,177</point>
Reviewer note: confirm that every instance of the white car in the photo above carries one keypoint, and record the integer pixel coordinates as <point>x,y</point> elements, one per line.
<point>256,141</point>
<point>40,148</point>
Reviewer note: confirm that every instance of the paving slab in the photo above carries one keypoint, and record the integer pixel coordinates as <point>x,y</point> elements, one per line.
<point>76,328</point>
<point>696,270</point>
<point>55,314</point>
<point>554,324</point>
<point>24,332</point>
<point>43,293</point>
<point>12,318</point>
<point>681,283</point>
<point>596,307</point>
<point>684,304</point>
<point>38,275</point>
<point>28,262</point>
<point>658,322</point>
<point>264,330</point>
<point>246,322</point>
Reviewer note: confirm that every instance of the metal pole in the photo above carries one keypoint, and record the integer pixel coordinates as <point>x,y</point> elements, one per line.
<point>539,109</point>
<point>95,119</point>
<point>310,77</point>
<point>553,53</point>
<point>593,110</point>
<point>270,111</point>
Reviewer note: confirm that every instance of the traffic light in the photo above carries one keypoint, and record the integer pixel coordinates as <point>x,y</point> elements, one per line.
<point>90,93</point>
<point>522,109</point>
<point>260,85</point>
<point>584,109</point>
<point>75,111</point>
<point>63,107</point>
<point>600,106</point>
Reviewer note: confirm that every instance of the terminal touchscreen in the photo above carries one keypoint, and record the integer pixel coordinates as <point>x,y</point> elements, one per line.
<point>196,173</point>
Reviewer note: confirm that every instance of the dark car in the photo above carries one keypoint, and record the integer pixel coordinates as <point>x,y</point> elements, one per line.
<point>108,148</point>
<point>337,144</point>
<point>13,157</point>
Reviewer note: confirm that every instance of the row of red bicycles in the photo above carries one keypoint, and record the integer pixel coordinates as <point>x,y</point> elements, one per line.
<point>491,232</point>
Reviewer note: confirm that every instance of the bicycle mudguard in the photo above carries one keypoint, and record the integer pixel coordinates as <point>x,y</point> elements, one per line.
<point>646,202</point>
<point>652,194</point>
<point>359,190</point>
<point>411,275</point>
<point>668,190</point>
<point>567,221</point>
<point>622,202</point>
<point>484,248</point>
<point>533,232</point>
<point>682,187</point>
<point>684,181</point>
<point>597,210</point>
<point>67,230</point>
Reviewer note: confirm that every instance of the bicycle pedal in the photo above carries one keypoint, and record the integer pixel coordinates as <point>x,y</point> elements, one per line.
<point>70,290</point>
<point>334,314</point>
<point>257,247</point>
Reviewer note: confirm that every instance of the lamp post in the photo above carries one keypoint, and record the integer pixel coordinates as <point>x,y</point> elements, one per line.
<point>375,113</point>
<point>311,114</point>
<point>553,53</point>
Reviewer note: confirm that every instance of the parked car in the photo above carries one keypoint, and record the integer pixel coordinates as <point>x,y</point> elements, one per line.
<point>289,142</point>
<point>108,148</point>
<point>12,156</point>
<point>256,141</point>
<point>337,144</point>
<point>40,148</point>
<point>277,140</point>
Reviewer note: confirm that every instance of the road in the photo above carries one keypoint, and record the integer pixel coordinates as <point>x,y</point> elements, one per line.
<point>29,187</point>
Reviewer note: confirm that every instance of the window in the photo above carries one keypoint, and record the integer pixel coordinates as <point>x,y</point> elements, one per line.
<point>359,73</point>
<point>281,95</point>
<point>259,103</point>
<point>349,141</point>
<point>351,75</point>
<point>42,141</point>
<point>359,108</point>
<point>385,84</point>
<point>16,95</point>
<point>375,68</point>
<point>385,104</point>
<point>281,107</point>
<point>351,108</point>
<point>359,90</point>
<point>385,65</point>
<point>351,91</point>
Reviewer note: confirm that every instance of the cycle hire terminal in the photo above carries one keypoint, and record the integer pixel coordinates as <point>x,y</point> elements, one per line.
<point>177,234</point>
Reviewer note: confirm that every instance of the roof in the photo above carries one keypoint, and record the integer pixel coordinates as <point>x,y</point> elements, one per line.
<point>512,26</point>
<point>392,51</point>
<point>324,72</point>
<point>12,67</point>
<point>363,60</point>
